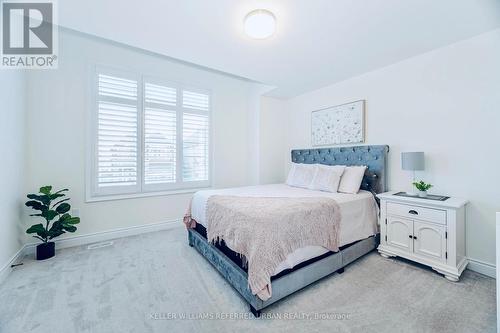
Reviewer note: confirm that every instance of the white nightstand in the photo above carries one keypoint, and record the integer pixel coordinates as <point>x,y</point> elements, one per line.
<point>426,231</point>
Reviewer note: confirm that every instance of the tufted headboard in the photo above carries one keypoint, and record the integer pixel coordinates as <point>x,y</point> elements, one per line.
<point>375,157</point>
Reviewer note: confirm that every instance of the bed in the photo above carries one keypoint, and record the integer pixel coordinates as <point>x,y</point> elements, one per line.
<point>358,234</point>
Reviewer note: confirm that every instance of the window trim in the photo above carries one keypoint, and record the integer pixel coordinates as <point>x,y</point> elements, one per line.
<point>93,194</point>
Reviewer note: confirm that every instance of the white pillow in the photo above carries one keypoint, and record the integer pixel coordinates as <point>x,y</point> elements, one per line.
<point>301,175</point>
<point>351,179</point>
<point>327,177</point>
<point>289,179</point>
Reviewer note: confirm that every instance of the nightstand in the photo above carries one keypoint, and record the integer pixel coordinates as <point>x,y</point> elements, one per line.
<point>426,231</point>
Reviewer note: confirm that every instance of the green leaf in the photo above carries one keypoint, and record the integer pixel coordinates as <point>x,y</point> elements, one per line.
<point>70,228</point>
<point>422,186</point>
<point>49,215</point>
<point>35,228</point>
<point>72,220</point>
<point>64,217</point>
<point>63,190</point>
<point>56,195</point>
<point>36,205</point>
<point>45,199</point>
<point>57,225</point>
<point>63,208</point>
<point>57,229</point>
<point>56,233</point>
<point>65,223</point>
<point>39,230</point>
<point>60,202</point>
<point>46,190</point>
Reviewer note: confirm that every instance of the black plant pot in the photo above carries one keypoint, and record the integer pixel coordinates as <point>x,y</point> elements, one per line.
<point>45,251</point>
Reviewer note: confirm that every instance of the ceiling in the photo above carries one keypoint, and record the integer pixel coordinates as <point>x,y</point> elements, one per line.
<point>317,43</point>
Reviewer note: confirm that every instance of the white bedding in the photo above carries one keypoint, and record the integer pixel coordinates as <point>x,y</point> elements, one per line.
<point>359,214</point>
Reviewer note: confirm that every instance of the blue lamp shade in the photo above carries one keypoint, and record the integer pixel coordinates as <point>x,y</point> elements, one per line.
<point>412,161</point>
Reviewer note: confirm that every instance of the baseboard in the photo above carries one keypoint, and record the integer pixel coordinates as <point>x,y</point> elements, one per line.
<point>29,249</point>
<point>72,241</point>
<point>482,267</point>
<point>6,269</point>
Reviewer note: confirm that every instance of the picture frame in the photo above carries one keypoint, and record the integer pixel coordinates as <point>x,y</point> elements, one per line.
<point>338,125</point>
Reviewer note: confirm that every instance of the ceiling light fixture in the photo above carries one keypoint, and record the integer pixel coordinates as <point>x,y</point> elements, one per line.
<point>260,24</point>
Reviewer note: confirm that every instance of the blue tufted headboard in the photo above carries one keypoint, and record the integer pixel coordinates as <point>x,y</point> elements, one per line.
<point>375,157</point>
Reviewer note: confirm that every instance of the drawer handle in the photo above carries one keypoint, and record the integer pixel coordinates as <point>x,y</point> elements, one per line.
<point>410,236</point>
<point>413,212</point>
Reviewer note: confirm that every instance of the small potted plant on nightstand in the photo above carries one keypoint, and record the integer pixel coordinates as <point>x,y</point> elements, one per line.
<point>422,188</point>
<point>57,219</point>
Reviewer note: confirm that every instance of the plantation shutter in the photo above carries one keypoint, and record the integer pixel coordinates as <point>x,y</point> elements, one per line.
<point>148,135</point>
<point>117,135</point>
<point>195,136</point>
<point>160,134</point>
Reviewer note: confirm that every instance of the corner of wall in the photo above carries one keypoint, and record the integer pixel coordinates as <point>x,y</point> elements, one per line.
<point>13,86</point>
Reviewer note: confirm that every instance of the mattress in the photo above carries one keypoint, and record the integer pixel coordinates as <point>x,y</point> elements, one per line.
<point>359,214</point>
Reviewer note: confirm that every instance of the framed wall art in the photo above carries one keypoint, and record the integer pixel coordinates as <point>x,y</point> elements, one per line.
<point>341,124</point>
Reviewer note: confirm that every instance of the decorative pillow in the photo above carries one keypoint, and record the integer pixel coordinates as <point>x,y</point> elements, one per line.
<point>351,179</point>
<point>301,175</point>
<point>327,177</point>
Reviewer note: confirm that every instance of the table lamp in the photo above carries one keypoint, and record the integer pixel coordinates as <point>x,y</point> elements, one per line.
<point>413,161</point>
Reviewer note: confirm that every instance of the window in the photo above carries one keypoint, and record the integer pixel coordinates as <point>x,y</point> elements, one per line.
<point>194,136</point>
<point>117,134</point>
<point>160,134</point>
<point>149,135</point>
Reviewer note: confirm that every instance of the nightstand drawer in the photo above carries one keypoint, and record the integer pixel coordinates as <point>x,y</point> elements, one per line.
<point>416,212</point>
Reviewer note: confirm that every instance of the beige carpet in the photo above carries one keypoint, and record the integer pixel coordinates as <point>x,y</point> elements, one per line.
<point>141,283</point>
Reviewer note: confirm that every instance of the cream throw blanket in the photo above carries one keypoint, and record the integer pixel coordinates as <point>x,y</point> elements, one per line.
<point>266,230</point>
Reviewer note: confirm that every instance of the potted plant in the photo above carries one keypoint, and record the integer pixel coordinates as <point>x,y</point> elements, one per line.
<point>422,188</point>
<point>57,219</point>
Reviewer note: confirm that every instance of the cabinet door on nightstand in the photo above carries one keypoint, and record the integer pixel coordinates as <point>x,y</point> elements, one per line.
<point>399,231</point>
<point>429,241</point>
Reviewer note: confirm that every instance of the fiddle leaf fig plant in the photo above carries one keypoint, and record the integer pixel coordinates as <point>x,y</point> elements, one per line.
<point>422,186</point>
<point>53,208</point>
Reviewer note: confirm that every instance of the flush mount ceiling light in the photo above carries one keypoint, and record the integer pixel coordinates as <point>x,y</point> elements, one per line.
<point>260,24</point>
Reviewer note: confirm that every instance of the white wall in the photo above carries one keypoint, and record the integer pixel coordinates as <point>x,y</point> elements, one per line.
<point>498,270</point>
<point>12,131</point>
<point>445,103</point>
<point>59,106</point>
<point>273,120</point>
